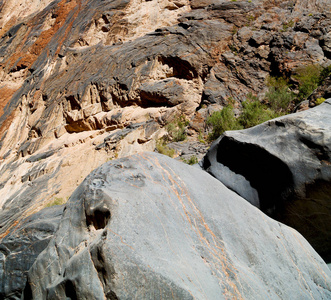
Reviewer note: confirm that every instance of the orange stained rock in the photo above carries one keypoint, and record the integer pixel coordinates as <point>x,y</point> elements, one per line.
<point>7,26</point>
<point>9,229</point>
<point>5,96</point>
<point>30,55</point>
<point>217,251</point>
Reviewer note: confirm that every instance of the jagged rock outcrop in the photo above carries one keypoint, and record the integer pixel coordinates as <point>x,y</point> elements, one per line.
<point>79,74</point>
<point>283,166</point>
<point>150,227</point>
<point>21,246</point>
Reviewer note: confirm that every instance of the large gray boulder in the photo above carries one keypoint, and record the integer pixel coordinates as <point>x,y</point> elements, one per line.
<point>283,166</point>
<point>150,227</point>
<point>20,247</point>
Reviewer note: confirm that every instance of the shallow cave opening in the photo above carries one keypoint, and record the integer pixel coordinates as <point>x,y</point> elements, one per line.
<point>98,218</point>
<point>181,69</point>
<point>74,103</point>
<point>70,290</point>
<point>270,176</point>
<point>153,100</point>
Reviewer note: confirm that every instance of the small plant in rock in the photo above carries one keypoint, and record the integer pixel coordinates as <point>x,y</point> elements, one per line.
<point>201,138</point>
<point>287,25</point>
<point>177,129</point>
<point>56,201</point>
<point>162,148</point>
<point>250,20</point>
<point>233,49</point>
<point>191,161</point>
<point>319,101</point>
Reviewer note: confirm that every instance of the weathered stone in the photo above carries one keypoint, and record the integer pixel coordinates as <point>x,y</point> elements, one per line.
<point>148,226</point>
<point>286,162</point>
<point>21,246</point>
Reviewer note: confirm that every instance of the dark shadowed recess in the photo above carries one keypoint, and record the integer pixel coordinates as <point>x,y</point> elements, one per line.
<point>70,290</point>
<point>310,216</point>
<point>266,173</point>
<point>27,292</point>
<point>182,69</point>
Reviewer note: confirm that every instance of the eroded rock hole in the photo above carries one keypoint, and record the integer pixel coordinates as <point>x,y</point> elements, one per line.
<point>181,69</point>
<point>74,103</point>
<point>70,290</point>
<point>27,293</point>
<point>266,173</point>
<point>98,217</point>
<point>111,296</point>
<point>153,100</point>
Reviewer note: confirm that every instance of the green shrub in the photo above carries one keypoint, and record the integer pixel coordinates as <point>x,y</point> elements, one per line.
<point>191,161</point>
<point>221,121</point>
<point>279,95</point>
<point>201,138</point>
<point>254,113</point>
<point>162,148</point>
<point>279,99</point>
<point>309,79</point>
<point>276,82</point>
<point>176,129</point>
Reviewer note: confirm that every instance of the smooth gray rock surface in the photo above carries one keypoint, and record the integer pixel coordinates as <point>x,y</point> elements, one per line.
<point>150,227</point>
<point>288,162</point>
<point>21,246</point>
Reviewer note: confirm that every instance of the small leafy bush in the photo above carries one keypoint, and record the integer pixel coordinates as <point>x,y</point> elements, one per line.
<point>201,138</point>
<point>191,161</point>
<point>254,113</point>
<point>319,101</point>
<point>279,95</point>
<point>221,121</point>
<point>162,148</point>
<point>287,25</point>
<point>309,78</point>
<point>176,129</point>
<point>56,201</point>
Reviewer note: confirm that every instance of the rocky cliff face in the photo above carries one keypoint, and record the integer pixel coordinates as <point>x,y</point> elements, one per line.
<point>87,81</point>
<point>75,74</point>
